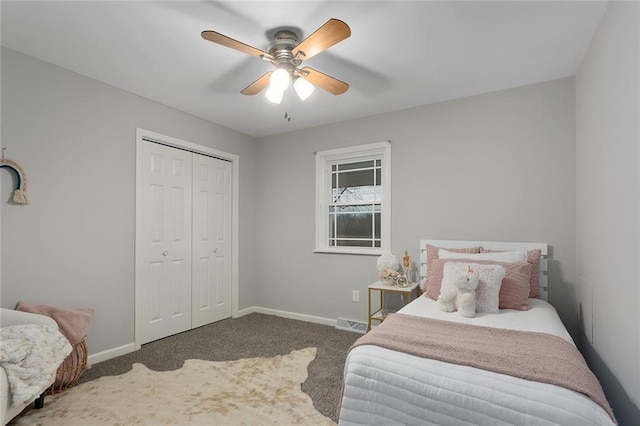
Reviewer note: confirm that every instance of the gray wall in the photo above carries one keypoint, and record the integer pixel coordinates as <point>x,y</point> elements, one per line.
<point>498,166</point>
<point>608,206</point>
<point>74,244</point>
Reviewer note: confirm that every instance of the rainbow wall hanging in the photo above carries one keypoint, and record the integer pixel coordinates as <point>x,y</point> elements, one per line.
<point>20,194</point>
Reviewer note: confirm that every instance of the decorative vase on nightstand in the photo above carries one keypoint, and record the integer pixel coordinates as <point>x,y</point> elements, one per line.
<point>387,260</point>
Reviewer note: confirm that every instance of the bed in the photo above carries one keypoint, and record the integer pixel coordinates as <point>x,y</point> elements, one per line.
<point>387,383</point>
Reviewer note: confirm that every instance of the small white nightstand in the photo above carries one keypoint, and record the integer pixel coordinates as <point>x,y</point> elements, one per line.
<point>381,313</point>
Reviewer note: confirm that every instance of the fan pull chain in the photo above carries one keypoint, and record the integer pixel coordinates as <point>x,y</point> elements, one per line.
<point>287,104</point>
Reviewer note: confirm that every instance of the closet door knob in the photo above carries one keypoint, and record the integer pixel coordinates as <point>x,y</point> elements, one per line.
<point>215,250</point>
<point>165,253</point>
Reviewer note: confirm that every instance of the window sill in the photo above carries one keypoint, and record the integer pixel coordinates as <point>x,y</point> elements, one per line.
<point>355,251</point>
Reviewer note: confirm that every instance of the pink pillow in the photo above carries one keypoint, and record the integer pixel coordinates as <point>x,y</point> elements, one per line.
<point>514,291</point>
<point>533,258</point>
<point>432,254</point>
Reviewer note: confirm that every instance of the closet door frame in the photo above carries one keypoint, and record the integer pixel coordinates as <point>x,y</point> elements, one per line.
<point>148,135</point>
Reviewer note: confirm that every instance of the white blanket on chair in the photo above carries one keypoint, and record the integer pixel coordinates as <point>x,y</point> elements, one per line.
<point>30,354</point>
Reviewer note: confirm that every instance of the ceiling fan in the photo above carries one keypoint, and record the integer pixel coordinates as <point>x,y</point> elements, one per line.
<point>287,54</point>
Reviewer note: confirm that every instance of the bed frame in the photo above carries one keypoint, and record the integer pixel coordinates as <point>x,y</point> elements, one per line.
<point>388,384</point>
<point>490,245</point>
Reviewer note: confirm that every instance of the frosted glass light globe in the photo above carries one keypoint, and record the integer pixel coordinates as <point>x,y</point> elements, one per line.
<point>280,79</point>
<point>274,95</point>
<point>387,260</point>
<point>304,89</point>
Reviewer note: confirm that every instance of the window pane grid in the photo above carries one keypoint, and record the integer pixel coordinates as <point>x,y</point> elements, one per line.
<point>355,187</point>
<point>354,242</point>
<point>355,225</point>
<point>354,207</point>
<point>351,183</point>
<point>354,204</point>
<point>359,165</point>
<point>339,170</point>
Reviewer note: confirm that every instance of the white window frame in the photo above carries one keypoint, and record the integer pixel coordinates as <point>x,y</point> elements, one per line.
<point>324,161</point>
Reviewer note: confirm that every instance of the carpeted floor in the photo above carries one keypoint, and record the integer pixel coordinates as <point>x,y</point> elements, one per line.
<point>254,335</point>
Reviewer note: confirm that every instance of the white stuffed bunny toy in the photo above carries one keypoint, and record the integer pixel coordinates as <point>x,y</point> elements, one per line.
<point>460,295</point>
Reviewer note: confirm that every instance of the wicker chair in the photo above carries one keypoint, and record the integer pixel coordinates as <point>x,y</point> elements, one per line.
<point>71,369</point>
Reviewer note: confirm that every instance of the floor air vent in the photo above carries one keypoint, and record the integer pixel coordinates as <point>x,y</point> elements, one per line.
<point>351,325</point>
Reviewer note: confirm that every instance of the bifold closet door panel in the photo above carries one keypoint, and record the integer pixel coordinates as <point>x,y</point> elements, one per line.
<point>211,290</point>
<point>166,241</point>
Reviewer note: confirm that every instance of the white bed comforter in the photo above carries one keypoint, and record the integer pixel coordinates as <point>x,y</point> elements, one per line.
<point>30,354</point>
<point>385,387</point>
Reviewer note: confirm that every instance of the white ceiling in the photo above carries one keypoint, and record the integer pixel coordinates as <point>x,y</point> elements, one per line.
<point>400,54</point>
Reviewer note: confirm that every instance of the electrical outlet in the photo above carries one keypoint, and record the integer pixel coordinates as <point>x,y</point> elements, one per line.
<point>356,296</point>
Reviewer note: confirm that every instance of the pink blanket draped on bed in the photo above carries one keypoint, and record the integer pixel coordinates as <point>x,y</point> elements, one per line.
<point>529,355</point>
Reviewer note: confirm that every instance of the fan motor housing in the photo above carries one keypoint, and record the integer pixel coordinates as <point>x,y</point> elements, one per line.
<point>281,48</point>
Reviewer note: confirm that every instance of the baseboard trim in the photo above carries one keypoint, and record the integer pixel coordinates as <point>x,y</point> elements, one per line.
<point>286,314</point>
<point>111,353</point>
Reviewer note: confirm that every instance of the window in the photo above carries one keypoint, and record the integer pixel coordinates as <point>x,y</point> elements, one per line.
<point>353,196</point>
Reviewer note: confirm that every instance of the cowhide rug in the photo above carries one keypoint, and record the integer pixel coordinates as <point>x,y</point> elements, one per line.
<point>251,391</point>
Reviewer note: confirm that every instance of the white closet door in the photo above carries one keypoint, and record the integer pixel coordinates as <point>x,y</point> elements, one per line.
<point>211,291</point>
<point>165,241</point>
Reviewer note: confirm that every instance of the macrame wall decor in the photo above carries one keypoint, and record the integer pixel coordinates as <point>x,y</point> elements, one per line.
<point>20,194</point>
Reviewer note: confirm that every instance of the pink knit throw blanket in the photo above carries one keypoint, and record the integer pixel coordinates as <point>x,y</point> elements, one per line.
<point>532,356</point>
<point>74,323</point>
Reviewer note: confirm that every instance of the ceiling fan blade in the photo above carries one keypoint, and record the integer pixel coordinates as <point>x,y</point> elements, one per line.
<point>222,39</point>
<point>332,32</point>
<point>324,81</point>
<point>257,86</point>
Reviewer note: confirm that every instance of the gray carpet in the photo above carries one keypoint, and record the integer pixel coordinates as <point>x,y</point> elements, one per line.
<point>254,335</point>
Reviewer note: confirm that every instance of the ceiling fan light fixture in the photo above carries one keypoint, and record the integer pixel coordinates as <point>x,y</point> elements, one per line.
<point>286,54</point>
<point>280,80</point>
<point>303,88</point>
<point>274,95</point>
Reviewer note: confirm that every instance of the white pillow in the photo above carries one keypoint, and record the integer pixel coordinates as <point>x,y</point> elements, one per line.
<point>501,256</point>
<point>489,282</point>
